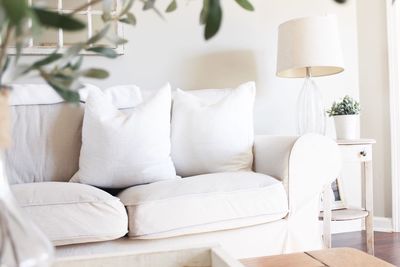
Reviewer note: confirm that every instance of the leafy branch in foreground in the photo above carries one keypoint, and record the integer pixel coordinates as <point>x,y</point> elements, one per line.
<point>62,69</point>
<point>19,22</point>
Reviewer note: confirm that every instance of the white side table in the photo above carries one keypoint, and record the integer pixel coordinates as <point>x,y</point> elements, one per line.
<point>359,150</point>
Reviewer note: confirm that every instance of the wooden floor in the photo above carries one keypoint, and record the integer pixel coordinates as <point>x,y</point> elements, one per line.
<point>387,245</point>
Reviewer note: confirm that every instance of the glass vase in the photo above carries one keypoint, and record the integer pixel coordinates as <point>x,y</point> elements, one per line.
<point>22,243</point>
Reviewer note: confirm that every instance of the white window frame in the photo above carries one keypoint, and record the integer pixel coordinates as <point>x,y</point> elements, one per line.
<point>33,49</point>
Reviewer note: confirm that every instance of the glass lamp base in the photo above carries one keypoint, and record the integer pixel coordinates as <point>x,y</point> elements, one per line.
<point>310,109</point>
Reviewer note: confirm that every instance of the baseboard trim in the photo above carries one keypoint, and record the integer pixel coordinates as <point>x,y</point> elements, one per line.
<point>381,224</point>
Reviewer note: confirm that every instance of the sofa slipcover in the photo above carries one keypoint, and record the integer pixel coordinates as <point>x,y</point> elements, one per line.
<point>70,213</point>
<point>47,141</point>
<point>203,203</point>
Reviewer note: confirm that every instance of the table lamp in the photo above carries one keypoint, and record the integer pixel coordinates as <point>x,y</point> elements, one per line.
<point>309,47</point>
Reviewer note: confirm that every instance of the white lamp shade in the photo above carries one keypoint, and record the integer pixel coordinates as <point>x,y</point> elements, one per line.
<point>311,42</point>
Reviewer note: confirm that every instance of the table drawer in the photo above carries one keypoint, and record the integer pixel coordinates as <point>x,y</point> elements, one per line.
<point>356,153</point>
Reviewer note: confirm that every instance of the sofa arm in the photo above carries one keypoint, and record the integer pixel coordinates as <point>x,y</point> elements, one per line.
<point>304,164</point>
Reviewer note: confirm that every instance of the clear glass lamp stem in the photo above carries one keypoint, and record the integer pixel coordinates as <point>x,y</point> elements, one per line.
<point>310,108</point>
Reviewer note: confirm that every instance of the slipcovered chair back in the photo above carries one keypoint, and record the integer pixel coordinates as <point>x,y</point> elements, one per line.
<point>46,141</point>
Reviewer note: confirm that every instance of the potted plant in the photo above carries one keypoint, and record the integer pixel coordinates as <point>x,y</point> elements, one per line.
<point>346,114</point>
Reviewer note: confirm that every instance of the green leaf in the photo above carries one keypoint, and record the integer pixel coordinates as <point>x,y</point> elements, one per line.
<point>77,64</point>
<point>104,51</point>
<point>73,51</point>
<point>214,19</point>
<point>204,12</point>
<point>245,4</point>
<point>67,94</point>
<point>6,64</point>
<point>172,6</point>
<point>45,61</point>
<point>20,39</point>
<point>18,50</point>
<point>149,4</point>
<point>126,8</point>
<point>56,20</point>
<point>36,27</point>
<point>65,77</point>
<point>4,68</point>
<point>129,19</point>
<point>106,16</point>
<point>95,73</point>
<point>16,10</point>
<point>99,35</point>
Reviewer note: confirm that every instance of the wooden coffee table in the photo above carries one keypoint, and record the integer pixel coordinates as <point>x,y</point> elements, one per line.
<point>335,257</point>
<point>211,256</point>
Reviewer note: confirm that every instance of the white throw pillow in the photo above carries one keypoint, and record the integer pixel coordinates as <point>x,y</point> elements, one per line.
<point>213,137</point>
<point>122,96</point>
<point>121,150</point>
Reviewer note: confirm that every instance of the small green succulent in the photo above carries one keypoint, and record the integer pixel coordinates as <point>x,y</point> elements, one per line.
<point>346,106</point>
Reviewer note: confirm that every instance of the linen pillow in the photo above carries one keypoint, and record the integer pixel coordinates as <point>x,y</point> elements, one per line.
<point>120,150</point>
<point>213,137</point>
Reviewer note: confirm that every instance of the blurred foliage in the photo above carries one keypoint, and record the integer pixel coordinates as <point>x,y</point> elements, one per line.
<point>19,22</point>
<point>62,69</point>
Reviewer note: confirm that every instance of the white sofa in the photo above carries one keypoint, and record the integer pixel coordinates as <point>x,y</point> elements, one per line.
<point>272,210</point>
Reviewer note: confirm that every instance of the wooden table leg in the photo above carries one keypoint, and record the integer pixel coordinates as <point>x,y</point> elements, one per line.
<point>369,206</point>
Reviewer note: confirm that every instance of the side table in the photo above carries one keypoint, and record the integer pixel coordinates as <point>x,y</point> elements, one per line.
<point>360,151</point>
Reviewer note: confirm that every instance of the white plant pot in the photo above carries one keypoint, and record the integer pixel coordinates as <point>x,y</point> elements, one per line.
<point>347,126</point>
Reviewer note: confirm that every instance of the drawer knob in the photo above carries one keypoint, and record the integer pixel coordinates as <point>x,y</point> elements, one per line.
<point>363,153</point>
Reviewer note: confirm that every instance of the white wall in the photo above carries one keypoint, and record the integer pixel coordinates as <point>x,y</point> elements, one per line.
<point>374,96</point>
<point>245,49</point>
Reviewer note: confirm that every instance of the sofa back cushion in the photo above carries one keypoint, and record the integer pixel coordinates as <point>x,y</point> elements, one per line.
<point>46,134</point>
<point>46,143</point>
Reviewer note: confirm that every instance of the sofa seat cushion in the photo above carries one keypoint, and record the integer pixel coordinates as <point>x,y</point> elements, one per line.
<point>70,213</point>
<point>203,203</point>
